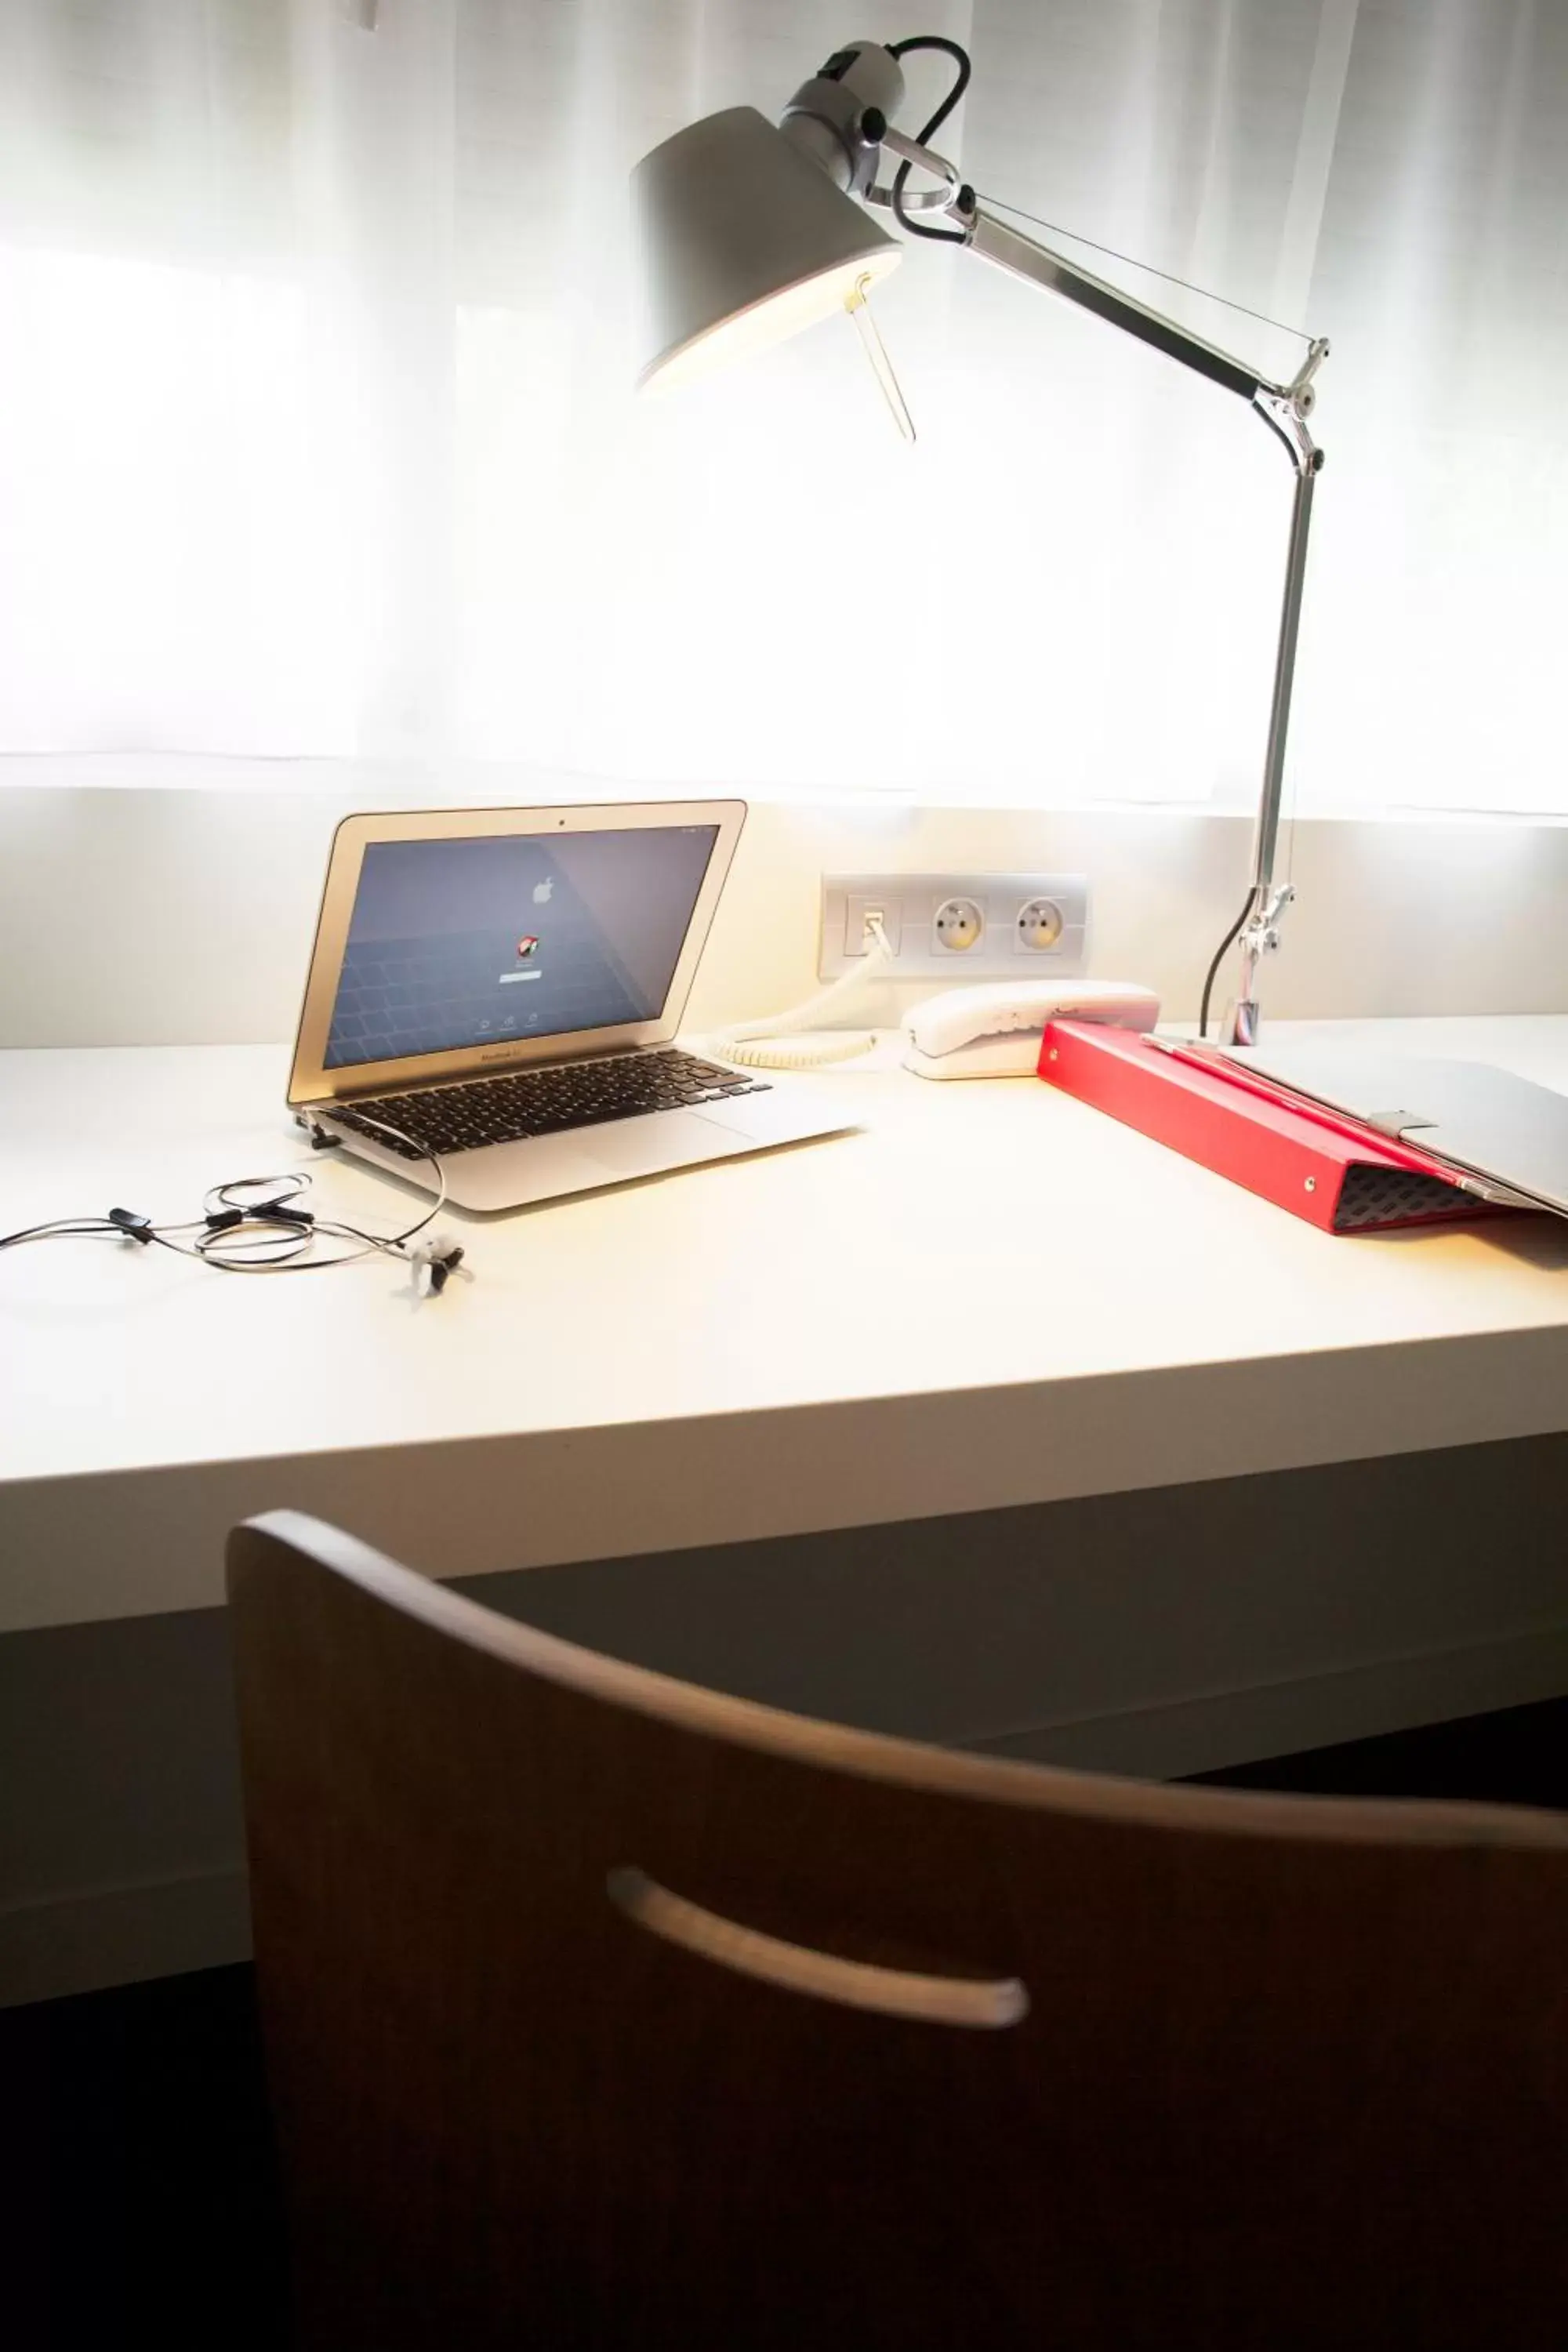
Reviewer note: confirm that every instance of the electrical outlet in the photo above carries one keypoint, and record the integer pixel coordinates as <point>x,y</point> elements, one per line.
<point>948,927</point>
<point>959,927</point>
<point>1038,926</point>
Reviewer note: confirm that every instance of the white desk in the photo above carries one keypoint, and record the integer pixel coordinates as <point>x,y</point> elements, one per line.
<point>992,1295</point>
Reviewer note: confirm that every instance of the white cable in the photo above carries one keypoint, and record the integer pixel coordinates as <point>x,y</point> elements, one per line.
<point>745,1044</point>
<point>756,1055</point>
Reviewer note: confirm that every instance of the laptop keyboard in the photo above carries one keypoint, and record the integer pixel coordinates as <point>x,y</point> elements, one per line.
<point>446,1119</point>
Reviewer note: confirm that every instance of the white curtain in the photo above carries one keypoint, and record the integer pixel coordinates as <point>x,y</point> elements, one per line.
<point>316,438</point>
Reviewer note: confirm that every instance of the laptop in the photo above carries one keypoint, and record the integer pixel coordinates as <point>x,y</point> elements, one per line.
<point>494,994</point>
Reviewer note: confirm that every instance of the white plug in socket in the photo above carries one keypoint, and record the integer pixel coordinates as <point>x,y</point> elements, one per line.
<point>858,909</point>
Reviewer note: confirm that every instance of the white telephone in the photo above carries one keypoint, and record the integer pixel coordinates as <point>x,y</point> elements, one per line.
<point>994,1032</point>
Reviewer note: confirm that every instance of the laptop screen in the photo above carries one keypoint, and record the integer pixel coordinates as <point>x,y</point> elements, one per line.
<point>509,936</point>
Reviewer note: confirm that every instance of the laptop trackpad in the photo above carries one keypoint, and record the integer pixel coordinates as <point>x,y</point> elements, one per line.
<point>671,1139</point>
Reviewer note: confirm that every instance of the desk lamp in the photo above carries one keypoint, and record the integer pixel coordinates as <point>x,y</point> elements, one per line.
<point>752,232</point>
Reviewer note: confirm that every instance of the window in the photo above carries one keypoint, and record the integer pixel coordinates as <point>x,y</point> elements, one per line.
<point>316,439</point>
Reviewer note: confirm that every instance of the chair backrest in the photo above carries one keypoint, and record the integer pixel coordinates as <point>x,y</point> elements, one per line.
<point>605,2011</point>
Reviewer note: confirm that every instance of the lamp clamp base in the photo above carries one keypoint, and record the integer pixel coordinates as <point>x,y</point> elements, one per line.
<point>1259,936</point>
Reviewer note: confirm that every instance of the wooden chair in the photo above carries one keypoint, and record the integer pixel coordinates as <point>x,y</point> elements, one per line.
<point>603,2012</point>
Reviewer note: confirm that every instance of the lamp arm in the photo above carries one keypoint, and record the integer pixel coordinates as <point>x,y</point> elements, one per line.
<point>1284,408</point>
<point>1006,248</point>
<point>1259,934</point>
<point>944,199</point>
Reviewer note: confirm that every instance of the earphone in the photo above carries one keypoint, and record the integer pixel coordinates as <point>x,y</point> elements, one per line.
<point>263,1224</point>
<point>440,1255</point>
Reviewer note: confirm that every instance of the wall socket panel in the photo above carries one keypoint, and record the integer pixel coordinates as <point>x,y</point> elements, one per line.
<point>957,927</point>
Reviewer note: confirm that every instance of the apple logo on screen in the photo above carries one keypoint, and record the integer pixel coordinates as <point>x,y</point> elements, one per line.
<point>542,892</point>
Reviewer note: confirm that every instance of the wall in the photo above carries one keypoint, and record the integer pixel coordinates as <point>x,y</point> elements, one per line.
<point>147,916</point>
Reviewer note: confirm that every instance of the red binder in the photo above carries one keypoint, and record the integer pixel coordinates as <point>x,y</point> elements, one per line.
<point>1335,1174</point>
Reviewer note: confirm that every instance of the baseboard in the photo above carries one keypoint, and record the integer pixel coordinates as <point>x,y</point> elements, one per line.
<point>83,1942</point>
<point>1206,1733</point>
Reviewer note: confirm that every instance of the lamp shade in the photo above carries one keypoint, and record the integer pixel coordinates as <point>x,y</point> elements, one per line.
<point>745,240</point>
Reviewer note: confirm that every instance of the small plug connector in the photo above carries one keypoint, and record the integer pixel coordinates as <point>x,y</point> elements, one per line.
<point>440,1255</point>
<point>440,1268</point>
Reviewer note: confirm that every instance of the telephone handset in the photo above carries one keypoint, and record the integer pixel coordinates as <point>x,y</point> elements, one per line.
<point>994,1032</point>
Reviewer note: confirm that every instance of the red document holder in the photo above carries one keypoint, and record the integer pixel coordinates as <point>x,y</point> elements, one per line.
<point>1339,1177</point>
